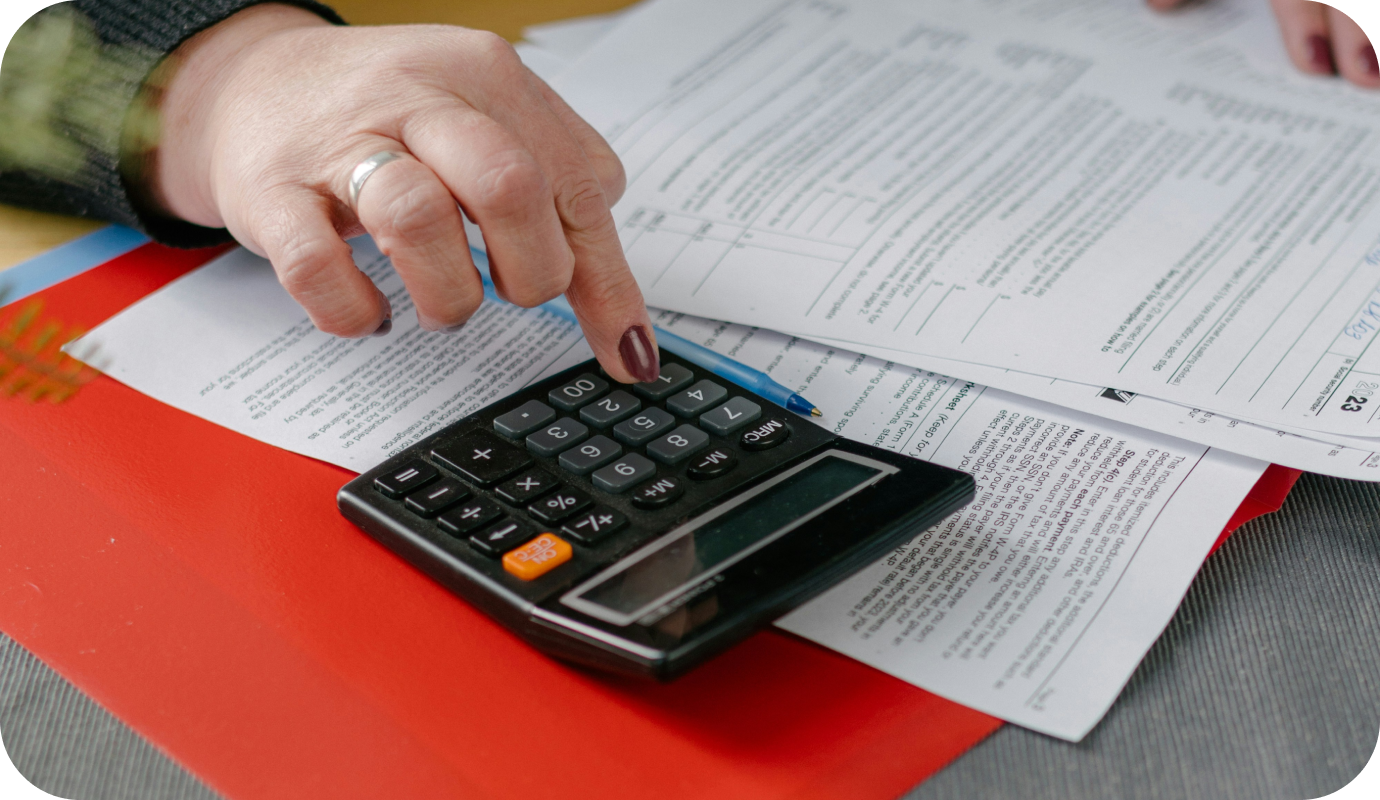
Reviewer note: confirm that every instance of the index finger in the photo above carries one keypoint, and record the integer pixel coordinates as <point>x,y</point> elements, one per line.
<point>602,290</point>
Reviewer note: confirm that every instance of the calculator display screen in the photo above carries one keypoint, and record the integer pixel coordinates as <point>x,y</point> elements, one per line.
<point>723,536</point>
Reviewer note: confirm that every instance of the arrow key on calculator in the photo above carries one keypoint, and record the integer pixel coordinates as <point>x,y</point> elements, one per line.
<point>506,535</point>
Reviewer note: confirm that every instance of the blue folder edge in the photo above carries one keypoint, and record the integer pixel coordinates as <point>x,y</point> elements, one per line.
<point>68,260</point>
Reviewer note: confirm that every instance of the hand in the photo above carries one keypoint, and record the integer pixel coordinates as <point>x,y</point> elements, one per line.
<point>268,113</point>
<point>1321,40</point>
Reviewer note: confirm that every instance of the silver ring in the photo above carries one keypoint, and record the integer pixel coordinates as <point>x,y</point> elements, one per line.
<point>366,168</point>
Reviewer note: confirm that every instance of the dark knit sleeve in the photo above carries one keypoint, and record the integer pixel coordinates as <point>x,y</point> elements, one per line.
<point>69,81</point>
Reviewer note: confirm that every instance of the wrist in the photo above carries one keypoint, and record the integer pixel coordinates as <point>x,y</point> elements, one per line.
<point>188,92</point>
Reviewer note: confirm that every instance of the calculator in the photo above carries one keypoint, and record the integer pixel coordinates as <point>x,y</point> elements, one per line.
<point>642,529</point>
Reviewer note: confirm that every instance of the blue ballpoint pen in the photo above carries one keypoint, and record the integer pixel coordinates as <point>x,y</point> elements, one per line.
<point>751,379</point>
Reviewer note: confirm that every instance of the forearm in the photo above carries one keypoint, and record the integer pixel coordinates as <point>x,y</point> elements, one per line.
<point>78,107</point>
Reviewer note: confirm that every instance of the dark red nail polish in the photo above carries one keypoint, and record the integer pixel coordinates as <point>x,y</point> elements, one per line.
<point>639,357</point>
<point>1320,54</point>
<point>1369,60</point>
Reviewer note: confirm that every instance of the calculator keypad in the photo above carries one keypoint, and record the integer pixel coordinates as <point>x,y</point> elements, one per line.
<point>550,441</point>
<point>526,487</point>
<point>698,399</point>
<point>658,493</point>
<point>678,445</point>
<point>613,407</point>
<point>594,525</point>
<point>410,476</point>
<point>624,473</point>
<point>557,506</point>
<point>638,430</point>
<point>593,454</point>
<point>713,464</point>
<point>469,515</point>
<point>731,416</point>
<point>673,378</point>
<point>576,393</point>
<point>765,436</point>
<point>432,500</point>
<point>499,539</point>
<point>482,458</point>
<point>575,469</point>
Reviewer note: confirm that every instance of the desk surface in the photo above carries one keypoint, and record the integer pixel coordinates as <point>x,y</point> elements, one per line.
<point>1267,683</point>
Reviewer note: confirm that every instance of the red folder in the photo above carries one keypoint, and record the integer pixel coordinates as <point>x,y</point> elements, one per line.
<point>202,586</point>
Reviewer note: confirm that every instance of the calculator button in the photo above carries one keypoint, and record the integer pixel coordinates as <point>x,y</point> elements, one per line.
<point>556,507</point>
<point>658,493</point>
<point>501,538</point>
<point>697,399</point>
<point>410,476</point>
<point>468,516</point>
<point>730,416</point>
<point>438,497</point>
<point>606,411</point>
<point>716,462</point>
<point>638,430</point>
<point>673,378</point>
<point>481,457</point>
<point>678,445</point>
<point>538,557</point>
<point>527,487</point>
<point>578,392</point>
<point>591,455</point>
<point>524,419</point>
<point>766,435</point>
<point>563,434</point>
<point>594,525</point>
<point>623,473</point>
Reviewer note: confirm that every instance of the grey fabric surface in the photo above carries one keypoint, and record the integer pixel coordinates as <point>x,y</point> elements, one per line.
<point>1266,685</point>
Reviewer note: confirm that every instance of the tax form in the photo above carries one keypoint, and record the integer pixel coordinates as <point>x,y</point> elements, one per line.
<point>1117,520</point>
<point>968,180</point>
<point>1237,37</point>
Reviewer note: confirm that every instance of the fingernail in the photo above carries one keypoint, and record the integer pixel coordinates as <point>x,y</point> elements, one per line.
<point>385,328</point>
<point>453,328</point>
<point>639,357</point>
<point>1320,53</point>
<point>1369,60</point>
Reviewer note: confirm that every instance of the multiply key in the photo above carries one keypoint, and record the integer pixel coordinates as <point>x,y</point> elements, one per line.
<point>481,457</point>
<point>526,487</point>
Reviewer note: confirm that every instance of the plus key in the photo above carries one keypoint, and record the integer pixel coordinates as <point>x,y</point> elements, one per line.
<point>481,457</point>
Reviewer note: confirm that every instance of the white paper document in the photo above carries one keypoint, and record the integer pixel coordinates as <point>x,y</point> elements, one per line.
<point>975,182</point>
<point>1084,537</point>
<point>228,344</point>
<point>1233,36</point>
<point>1037,601</point>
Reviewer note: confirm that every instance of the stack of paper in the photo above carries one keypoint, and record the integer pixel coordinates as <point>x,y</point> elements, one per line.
<point>912,213</point>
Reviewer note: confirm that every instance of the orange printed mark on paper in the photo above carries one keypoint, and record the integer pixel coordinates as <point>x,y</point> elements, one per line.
<point>32,364</point>
<point>537,557</point>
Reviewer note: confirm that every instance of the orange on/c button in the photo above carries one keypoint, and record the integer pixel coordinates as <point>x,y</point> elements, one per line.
<point>537,557</point>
